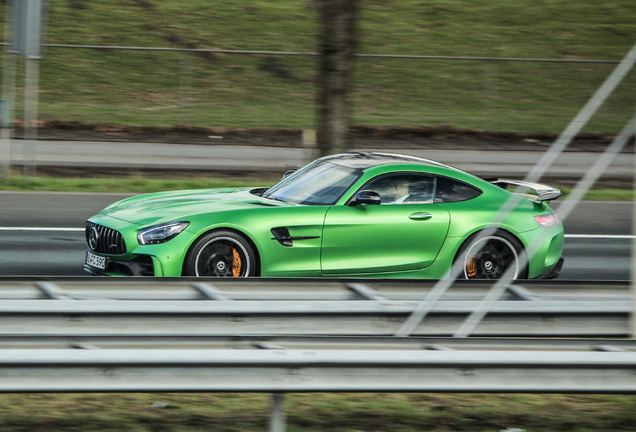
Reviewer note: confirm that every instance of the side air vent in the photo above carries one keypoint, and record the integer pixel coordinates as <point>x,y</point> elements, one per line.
<point>281,234</point>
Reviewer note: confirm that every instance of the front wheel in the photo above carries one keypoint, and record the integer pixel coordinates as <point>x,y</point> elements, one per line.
<point>490,256</point>
<point>222,254</point>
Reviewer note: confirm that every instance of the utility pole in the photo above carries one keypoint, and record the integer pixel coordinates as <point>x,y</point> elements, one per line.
<point>338,42</point>
<point>27,18</point>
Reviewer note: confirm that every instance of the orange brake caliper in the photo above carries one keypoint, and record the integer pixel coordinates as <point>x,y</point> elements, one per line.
<point>236,263</point>
<point>471,267</point>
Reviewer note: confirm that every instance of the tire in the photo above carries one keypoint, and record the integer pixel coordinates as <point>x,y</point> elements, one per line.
<point>490,256</point>
<point>221,254</point>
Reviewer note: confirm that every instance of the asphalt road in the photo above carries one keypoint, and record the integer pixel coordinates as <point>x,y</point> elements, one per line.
<point>224,157</point>
<point>42,234</point>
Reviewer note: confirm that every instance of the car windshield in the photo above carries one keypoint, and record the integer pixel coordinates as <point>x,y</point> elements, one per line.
<point>319,183</point>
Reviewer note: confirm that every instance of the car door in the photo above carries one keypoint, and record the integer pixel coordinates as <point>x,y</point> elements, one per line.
<point>398,235</point>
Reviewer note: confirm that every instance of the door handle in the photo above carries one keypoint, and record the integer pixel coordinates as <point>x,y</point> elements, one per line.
<point>420,216</point>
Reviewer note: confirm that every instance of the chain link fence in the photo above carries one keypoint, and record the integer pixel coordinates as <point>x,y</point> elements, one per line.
<point>159,87</point>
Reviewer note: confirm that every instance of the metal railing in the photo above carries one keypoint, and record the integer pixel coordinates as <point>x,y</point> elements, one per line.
<point>198,370</point>
<point>76,335</point>
<point>289,307</point>
<point>316,335</point>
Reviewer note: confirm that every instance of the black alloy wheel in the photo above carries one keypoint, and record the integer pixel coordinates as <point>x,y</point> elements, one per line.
<point>490,256</point>
<point>221,254</point>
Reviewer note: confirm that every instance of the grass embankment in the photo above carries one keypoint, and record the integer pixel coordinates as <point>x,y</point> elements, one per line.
<point>159,88</point>
<point>120,185</point>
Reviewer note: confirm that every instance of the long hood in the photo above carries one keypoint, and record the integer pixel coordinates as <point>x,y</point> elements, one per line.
<point>181,205</point>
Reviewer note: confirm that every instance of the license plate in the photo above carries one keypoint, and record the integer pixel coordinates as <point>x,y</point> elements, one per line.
<point>95,260</point>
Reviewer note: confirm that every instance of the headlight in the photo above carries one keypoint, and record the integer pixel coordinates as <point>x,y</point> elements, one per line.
<point>161,233</point>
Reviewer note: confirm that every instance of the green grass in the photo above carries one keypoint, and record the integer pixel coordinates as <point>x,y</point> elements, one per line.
<point>225,90</point>
<point>316,412</point>
<point>609,195</point>
<point>122,185</point>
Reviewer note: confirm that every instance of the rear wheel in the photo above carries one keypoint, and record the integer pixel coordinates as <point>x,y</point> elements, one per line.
<point>490,256</point>
<point>222,254</point>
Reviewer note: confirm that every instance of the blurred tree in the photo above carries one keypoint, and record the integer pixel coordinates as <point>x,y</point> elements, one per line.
<point>337,48</point>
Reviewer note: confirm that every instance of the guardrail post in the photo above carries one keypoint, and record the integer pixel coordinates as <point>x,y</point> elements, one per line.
<point>277,417</point>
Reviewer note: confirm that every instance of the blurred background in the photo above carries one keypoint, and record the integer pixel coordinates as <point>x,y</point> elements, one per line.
<point>508,66</point>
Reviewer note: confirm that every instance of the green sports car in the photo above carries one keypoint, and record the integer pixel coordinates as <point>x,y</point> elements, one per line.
<point>348,215</point>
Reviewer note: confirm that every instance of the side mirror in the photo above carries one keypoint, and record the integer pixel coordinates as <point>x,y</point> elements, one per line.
<point>366,197</point>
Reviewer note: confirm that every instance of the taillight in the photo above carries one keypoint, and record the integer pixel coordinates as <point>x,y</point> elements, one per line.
<point>547,220</point>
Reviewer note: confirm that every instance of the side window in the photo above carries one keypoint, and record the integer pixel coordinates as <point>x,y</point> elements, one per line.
<point>449,190</point>
<point>404,189</point>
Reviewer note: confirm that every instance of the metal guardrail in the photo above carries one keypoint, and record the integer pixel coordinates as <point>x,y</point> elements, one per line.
<point>309,342</point>
<point>138,370</point>
<point>181,307</point>
<point>264,335</point>
<point>286,335</point>
<point>86,288</point>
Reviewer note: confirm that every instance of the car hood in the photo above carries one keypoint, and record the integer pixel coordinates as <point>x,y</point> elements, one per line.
<point>180,205</point>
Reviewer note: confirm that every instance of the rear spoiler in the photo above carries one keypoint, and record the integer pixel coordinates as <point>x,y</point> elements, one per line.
<point>544,192</point>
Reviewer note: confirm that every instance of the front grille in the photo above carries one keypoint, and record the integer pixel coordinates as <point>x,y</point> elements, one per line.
<point>104,240</point>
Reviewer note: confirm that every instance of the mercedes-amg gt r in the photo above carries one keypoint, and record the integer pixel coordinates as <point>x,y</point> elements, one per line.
<point>348,215</point>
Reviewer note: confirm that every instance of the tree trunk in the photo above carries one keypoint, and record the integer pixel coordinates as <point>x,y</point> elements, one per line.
<point>337,48</point>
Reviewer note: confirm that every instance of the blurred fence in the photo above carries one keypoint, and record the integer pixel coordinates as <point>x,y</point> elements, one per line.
<point>228,88</point>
